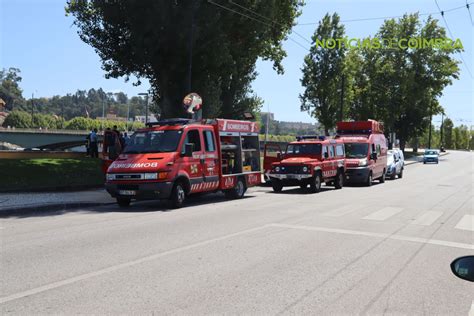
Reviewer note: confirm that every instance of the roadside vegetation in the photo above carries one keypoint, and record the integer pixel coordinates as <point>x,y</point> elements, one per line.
<point>49,174</point>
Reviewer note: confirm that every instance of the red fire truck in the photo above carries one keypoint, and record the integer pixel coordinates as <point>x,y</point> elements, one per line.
<point>174,158</point>
<point>309,161</point>
<point>366,150</point>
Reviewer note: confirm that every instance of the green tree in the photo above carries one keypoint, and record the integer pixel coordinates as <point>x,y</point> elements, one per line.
<point>151,39</point>
<point>448,133</point>
<point>10,90</point>
<point>18,119</point>
<point>322,74</point>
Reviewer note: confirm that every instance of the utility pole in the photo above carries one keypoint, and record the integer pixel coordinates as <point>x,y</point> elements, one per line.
<point>441,131</point>
<point>431,118</point>
<point>32,110</point>
<point>146,106</point>
<point>267,123</point>
<point>341,110</point>
<point>190,48</point>
<point>103,114</point>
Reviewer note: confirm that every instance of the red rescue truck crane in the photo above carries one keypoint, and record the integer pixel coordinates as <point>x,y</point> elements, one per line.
<point>366,150</point>
<point>309,161</point>
<point>174,158</point>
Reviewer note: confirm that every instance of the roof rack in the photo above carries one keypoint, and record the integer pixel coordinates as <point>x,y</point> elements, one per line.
<point>303,137</point>
<point>173,121</point>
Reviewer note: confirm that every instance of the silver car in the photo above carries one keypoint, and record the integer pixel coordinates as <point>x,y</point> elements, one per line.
<point>395,163</point>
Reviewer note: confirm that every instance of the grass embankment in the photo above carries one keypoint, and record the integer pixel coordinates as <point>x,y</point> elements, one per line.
<point>53,174</point>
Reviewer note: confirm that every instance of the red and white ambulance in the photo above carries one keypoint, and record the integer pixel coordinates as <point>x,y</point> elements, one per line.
<point>365,150</point>
<point>174,158</point>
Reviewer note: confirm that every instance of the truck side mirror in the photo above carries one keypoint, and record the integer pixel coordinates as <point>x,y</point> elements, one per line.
<point>373,156</point>
<point>188,149</point>
<point>326,155</point>
<point>278,156</point>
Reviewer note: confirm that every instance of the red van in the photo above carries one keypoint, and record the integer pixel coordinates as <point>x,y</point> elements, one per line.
<point>365,150</point>
<point>172,159</point>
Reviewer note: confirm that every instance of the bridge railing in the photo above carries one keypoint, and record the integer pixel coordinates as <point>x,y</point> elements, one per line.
<point>43,131</point>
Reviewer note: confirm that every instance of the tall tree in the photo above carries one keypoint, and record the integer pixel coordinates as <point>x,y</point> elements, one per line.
<point>10,90</point>
<point>153,38</point>
<point>322,73</point>
<point>448,133</point>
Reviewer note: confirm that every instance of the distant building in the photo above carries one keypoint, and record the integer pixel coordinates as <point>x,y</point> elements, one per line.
<point>141,118</point>
<point>112,117</point>
<point>298,125</point>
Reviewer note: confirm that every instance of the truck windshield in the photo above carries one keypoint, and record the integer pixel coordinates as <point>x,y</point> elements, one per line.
<point>356,150</point>
<point>308,149</point>
<point>153,142</point>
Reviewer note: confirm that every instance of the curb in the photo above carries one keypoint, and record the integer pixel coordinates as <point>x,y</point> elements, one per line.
<point>53,207</point>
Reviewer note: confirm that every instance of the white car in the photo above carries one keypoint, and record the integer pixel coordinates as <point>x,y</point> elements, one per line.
<point>395,163</point>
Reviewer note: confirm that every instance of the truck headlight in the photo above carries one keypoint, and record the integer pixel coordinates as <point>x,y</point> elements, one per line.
<point>277,169</point>
<point>305,169</point>
<point>110,176</point>
<point>363,162</point>
<point>151,176</point>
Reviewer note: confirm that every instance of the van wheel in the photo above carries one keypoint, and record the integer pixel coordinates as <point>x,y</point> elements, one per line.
<point>123,202</point>
<point>369,180</point>
<point>236,192</point>
<point>178,196</point>
<point>382,178</point>
<point>277,186</point>
<point>315,185</point>
<point>401,174</point>
<point>339,182</point>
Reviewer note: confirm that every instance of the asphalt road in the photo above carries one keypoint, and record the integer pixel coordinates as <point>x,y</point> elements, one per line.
<point>379,250</point>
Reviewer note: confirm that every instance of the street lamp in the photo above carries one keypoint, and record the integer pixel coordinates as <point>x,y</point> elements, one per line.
<point>146,106</point>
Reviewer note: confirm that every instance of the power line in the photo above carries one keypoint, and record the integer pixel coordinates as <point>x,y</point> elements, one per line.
<point>268,19</point>
<point>452,36</point>
<point>469,11</point>
<point>390,17</point>
<point>254,19</point>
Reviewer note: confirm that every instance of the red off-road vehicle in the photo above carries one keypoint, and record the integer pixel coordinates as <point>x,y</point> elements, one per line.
<point>309,161</point>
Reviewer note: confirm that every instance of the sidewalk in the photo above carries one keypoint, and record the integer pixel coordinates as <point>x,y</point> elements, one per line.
<point>53,200</point>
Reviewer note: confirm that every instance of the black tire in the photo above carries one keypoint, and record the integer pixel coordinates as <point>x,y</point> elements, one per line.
<point>393,175</point>
<point>339,181</point>
<point>400,175</point>
<point>303,186</point>
<point>123,202</point>
<point>277,185</point>
<point>424,162</point>
<point>315,184</point>
<point>238,191</point>
<point>369,180</point>
<point>178,196</point>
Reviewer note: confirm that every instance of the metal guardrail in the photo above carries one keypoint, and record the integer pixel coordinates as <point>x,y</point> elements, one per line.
<point>43,131</point>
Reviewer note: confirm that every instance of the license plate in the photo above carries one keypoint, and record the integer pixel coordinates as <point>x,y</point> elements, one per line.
<point>127,192</point>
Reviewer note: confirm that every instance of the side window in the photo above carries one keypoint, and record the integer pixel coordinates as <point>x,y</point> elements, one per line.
<point>192,137</point>
<point>331,151</point>
<point>209,141</point>
<point>325,150</point>
<point>339,150</point>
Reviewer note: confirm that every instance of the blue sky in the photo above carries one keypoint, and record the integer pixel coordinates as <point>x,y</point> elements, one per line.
<point>38,38</point>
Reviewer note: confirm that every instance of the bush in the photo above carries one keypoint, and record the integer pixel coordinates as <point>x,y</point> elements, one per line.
<point>18,119</point>
<point>87,124</point>
<point>22,119</point>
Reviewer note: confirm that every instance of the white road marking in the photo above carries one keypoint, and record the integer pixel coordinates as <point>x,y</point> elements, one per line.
<point>466,223</point>
<point>100,272</point>
<point>341,211</point>
<point>427,218</point>
<point>383,214</point>
<point>379,235</point>
<point>471,311</point>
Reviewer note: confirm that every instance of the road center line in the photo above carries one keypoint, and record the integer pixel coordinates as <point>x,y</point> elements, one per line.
<point>379,235</point>
<point>122,266</point>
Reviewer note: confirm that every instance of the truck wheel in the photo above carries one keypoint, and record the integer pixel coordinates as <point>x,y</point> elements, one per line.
<point>369,180</point>
<point>315,185</point>
<point>339,181</point>
<point>178,196</point>
<point>382,177</point>
<point>277,185</point>
<point>401,174</point>
<point>236,192</point>
<point>123,202</point>
<point>303,186</point>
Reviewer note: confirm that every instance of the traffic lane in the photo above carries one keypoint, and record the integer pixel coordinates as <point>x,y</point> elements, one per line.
<point>77,248</point>
<point>271,270</point>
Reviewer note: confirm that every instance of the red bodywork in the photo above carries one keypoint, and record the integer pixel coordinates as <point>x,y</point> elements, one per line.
<point>201,172</point>
<point>371,162</point>
<point>299,168</point>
